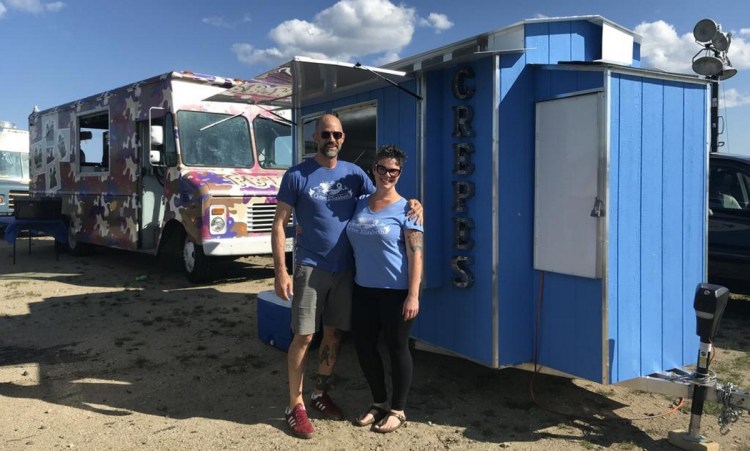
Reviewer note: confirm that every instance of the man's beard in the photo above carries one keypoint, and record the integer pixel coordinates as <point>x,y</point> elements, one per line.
<point>329,152</point>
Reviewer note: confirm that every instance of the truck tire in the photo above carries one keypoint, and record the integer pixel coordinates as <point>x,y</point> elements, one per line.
<point>196,263</point>
<point>75,247</point>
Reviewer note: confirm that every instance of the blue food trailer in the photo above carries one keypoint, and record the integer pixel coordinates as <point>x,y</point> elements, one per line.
<point>564,189</point>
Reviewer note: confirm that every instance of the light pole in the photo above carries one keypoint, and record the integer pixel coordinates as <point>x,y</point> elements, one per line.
<point>713,62</point>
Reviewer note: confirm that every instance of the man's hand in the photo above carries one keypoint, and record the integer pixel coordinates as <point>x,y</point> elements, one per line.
<point>415,211</point>
<point>282,284</point>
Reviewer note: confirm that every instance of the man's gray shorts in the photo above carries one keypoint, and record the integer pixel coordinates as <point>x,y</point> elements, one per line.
<point>320,294</point>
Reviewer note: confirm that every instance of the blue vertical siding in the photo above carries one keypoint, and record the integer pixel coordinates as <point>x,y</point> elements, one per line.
<point>399,126</point>
<point>652,226</point>
<point>673,293</point>
<point>460,319</point>
<point>438,233</point>
<point>537,43</point>
<point>562,41</point>
<point>587,41</point>
<point>613,226</point>
<point>694,210</point>
<point>636,54</point>
<point>628,189</point>
<point>571,325</point>
<point>550,83</point>
<point>657,222</point>
<point>516,211</point>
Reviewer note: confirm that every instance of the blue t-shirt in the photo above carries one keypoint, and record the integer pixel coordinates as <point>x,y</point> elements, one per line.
<point>323,200</point>
<point>378,242</point>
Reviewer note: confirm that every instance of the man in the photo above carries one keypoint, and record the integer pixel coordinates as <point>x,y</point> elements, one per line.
<point>323,192</point>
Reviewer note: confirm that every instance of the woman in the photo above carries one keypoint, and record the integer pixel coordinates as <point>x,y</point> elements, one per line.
<point>388,259</point>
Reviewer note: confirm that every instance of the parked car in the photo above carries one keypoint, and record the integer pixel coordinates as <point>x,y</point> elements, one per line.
<point>729,221</point>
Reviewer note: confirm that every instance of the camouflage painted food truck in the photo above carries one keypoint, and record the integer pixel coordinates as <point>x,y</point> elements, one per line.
<point>14,166</point>
<point>155,167</point>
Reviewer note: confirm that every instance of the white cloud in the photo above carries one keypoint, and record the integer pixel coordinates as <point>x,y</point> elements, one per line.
<point>3,9</point>
<point>388,57</point>
<point>664,49</point>
<point>221,22</point>
<point>744,30</point>
<point>246,53</point>
<point>439,22</point>
<point>34,6</point>
<point>348,29</point>
<point>729,98</point>
<point>218,22</point>
<point>54,6</point>
<point>29,6</point>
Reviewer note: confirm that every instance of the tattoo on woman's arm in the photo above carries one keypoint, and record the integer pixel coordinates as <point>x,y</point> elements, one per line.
<point>416,242</point>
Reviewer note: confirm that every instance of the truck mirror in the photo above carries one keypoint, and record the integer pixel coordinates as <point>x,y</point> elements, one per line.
<point>157,135</point>
<point>154,157</point>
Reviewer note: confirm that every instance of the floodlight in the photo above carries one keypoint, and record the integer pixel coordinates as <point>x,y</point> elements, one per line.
<point>728,72</point>
<point>705,30</point>
<point>708,66</point>
<point>721,41</point>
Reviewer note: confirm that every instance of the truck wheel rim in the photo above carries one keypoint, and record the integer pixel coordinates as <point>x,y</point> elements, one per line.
<point>188,254</point>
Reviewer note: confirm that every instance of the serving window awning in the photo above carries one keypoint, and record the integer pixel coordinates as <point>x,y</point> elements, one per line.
<point>302,81</point>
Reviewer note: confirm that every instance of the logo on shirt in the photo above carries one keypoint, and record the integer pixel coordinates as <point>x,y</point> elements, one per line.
<point>365,225</point>
<point>331,191</point>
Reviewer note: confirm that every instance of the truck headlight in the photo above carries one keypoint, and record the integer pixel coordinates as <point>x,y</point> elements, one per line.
<point>218,223</point>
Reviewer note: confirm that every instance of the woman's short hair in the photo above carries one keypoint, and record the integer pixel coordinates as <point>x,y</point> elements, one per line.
<point>391,151</point>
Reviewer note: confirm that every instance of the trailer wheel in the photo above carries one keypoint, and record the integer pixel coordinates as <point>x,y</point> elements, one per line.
<point>195,262</point>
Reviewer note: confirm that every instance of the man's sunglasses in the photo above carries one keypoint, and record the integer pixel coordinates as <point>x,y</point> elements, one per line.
<point>382,170</point>
<point>327,135</point>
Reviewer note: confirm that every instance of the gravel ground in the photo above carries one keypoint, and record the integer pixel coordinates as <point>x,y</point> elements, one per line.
<point>116,351</point>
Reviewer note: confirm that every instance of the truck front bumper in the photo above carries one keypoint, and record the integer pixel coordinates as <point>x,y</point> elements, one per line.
<point>252,245</point>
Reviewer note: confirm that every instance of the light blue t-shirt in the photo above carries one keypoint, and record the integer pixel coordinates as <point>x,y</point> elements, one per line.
<point>378,242</point>
<point>323,200</point>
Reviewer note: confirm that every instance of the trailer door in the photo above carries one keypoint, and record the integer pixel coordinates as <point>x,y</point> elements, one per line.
<point>567,199</point>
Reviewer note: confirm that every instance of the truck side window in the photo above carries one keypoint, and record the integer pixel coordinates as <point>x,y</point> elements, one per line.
<point>170,150</point>
<point>93,141</point>
<point>728,188</point>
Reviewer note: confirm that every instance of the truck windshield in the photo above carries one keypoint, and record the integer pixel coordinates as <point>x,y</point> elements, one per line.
<point>13,165</point>
<point>214,140</point>
<point>273,139</point>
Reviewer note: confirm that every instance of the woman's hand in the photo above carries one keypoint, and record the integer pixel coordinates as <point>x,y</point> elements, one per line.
<point>411,307</point>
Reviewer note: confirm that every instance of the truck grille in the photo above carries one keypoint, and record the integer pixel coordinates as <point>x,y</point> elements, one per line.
<point>260,217</point>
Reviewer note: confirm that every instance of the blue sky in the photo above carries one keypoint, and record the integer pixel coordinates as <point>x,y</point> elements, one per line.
<point>57,51</point>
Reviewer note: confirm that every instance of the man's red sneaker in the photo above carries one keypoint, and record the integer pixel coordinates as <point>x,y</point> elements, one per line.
<point>324,404</point>
<point>299,423</point>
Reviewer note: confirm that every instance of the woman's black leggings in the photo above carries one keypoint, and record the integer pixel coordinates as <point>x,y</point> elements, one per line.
<point>375,310</point>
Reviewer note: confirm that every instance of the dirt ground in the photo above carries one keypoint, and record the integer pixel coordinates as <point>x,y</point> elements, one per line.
<point>117,351</point>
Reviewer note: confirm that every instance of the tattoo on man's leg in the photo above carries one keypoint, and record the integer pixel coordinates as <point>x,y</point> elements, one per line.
<point>326,354</point>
